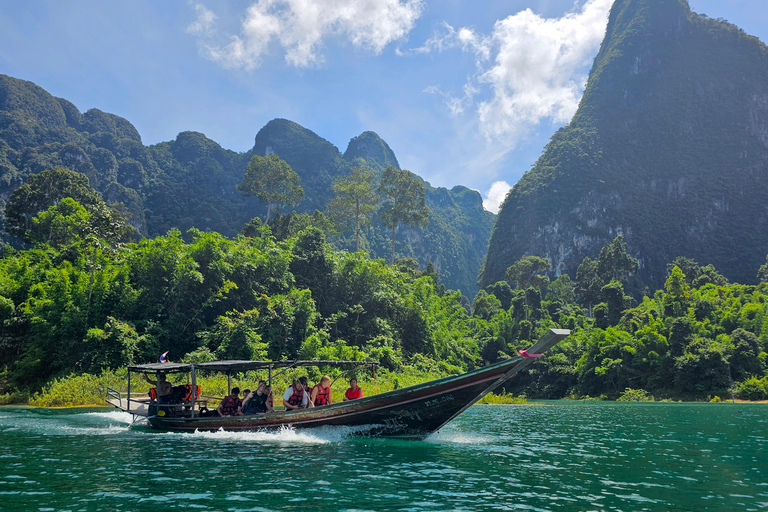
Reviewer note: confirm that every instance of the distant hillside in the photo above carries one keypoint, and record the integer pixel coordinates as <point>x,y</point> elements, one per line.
<point>669,147</point>
<point>190,181</point>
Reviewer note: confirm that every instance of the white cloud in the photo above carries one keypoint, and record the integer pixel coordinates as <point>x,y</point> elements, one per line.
<point>203,25</point>
<point>536,72</point>
<point>301,26</point>
<point>495,196</point>
<point>529,67</point>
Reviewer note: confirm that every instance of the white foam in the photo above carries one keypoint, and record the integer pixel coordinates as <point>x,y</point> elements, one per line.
<point>113,416</point>
<point>284,435</point>
<point>457,438</point>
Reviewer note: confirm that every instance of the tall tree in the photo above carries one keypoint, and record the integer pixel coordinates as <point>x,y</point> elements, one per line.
<point>40,192</point>
<point>588,283</point>
<point>355,200</point>
<point>404,201</point>
<point>95,229</point>
<point>271,179</point>
<point>528,272</point>
<point>614,262</point>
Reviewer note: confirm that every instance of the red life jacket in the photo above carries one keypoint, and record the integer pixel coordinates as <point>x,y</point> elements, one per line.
<point>296,398</point>
<point>229,406</point>
<point>323,396</point>
<point>351,395</point>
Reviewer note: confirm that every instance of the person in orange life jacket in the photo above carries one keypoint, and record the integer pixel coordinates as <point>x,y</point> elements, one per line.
<point>164,388</point>
<point>295,397</point>
<point>321,394</point>
<point>230,404</point>
<point>353,392</point>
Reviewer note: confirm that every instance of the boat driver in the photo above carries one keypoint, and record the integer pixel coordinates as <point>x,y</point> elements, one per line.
<point>295,397</point>
<point>256,401</point>
<point>164,388</point>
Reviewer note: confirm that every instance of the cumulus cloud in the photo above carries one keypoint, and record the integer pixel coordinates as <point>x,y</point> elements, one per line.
<point>301,26</point>
<point>530,67</point>
<point>535,73</point>
<point>495,196</point>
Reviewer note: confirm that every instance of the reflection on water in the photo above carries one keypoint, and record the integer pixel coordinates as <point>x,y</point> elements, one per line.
<point>561,456</point>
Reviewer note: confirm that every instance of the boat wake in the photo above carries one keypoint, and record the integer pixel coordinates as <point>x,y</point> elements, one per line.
<point>460,438</point>
<point>283,435</point>
<point>113,417</point>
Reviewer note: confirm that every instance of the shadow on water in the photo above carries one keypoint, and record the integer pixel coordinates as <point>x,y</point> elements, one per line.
<point>559,457</point>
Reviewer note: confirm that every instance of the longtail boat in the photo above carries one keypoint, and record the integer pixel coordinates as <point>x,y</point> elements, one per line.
<point>413,411</point>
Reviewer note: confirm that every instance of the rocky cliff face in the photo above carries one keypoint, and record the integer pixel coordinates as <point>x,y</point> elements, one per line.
<point>669,147</point>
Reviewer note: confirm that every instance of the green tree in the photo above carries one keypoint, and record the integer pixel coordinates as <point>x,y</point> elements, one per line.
<point>563,289</point>
<point>588,283</point>
<point>40,192</point>
<point>762,272</point>
<point>271,180</point>
<point>355,200</point>
<point>528,272</point>
<point>614,262</point>
<point>404,201</point>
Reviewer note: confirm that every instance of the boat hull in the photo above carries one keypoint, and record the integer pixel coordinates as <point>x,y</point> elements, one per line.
<point>414,411</point>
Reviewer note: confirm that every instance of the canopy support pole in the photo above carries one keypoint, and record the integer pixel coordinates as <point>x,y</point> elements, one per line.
<point>229,383</point>
<point>270,375</point>
<point>129,391</point>
<point>194,391</point>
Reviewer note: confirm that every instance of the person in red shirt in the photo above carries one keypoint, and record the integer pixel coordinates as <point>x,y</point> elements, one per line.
<point>230,404</point>
<point>353,392</point>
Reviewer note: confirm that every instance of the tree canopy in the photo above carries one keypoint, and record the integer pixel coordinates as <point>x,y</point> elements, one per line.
<point>271,180</point>
<point>355,199</point>
<point>404,201</point>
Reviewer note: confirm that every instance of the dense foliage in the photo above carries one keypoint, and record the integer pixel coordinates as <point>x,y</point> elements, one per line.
<point>667,147</point>
<point>192,181</point>
<point>66,308</point>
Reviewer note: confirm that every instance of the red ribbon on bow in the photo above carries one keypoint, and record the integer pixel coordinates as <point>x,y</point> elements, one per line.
<point>525,354</point>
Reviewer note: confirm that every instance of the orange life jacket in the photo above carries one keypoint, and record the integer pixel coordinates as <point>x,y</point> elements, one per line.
<point>188,393</point>
<point>153,393</point>
<point>323,396</point>
<point>351,395</point>
<point>296,398</point>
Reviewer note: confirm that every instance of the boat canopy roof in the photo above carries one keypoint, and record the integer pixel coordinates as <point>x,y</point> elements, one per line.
<point>234,366</point>
<point>242,366</point>
<point>160,367</point>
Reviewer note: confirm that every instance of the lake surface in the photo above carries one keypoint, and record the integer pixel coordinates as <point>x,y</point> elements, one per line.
<point>559,456</point>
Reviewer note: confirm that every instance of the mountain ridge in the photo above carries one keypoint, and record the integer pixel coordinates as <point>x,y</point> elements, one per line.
<point>190,180</point>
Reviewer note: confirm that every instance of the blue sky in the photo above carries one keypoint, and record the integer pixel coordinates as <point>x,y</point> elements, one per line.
<point>465,92</point>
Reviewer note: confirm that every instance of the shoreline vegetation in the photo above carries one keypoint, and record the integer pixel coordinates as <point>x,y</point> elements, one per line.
<point>84,300</point>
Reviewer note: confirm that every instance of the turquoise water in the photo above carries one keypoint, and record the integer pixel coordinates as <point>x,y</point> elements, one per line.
<point>560,456</point>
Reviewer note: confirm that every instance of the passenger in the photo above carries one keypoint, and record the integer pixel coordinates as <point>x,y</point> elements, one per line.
<point>241,402</point>
<point>230,404</point>
<point>270,399</point>
<point>164,388</point>
<point>256,402</point>
<point>321,394</point>
<point>353,392</point>
<point>295,397</point>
